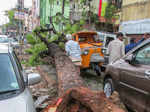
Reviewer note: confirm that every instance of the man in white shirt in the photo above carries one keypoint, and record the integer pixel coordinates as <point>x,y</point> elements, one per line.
<point>116,48</point>
<point>73,50</point>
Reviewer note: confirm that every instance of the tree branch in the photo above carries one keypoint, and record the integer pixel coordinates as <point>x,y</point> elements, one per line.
<point>42,39</point>
<point>63,7</point>
<point>53,27</point>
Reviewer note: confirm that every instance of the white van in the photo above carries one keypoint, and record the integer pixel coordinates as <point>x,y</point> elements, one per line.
<point>106,38</point>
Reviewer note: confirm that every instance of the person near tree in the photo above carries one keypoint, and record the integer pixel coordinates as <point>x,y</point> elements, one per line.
<point>73,50</point>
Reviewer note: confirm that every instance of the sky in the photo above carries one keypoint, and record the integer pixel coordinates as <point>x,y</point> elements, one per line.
<point>8,4</point>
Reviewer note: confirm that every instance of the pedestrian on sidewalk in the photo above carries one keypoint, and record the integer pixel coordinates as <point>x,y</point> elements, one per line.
<point>116,48</point>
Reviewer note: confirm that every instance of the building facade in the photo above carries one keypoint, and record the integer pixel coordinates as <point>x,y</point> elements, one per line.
<point>49,8</point>
<point>35,13</point>
<point>135,19</point>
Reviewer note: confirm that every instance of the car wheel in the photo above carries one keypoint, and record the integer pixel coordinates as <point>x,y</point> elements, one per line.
<point>108,87</point>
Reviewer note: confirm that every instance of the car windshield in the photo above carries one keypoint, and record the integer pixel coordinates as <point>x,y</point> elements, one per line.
<point>8,79</point>
<point>88,38</point>
<point>101,37</point>
<point>3,40</point>
<point>12,40</point>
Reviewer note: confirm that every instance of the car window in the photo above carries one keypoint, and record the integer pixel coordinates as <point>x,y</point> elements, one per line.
<point>3,40</point>
<point>143,55</point>
<point>8,79</point>
<point>82,39</point>
<point>101,37</point>
<point>12,40</point>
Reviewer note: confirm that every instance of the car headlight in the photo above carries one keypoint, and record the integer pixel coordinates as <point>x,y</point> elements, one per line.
<point>103,51</point>
<point>85,52</point>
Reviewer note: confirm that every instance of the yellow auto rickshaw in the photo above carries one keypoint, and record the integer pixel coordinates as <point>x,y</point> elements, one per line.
<point>90,45</point>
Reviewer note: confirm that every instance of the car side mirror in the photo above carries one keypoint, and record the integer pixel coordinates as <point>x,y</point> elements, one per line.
<point>131,59</point>
<point>33,78</point>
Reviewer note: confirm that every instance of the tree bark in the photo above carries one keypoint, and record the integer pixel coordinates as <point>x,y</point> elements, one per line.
<point>68,77</point>
<point>76,97</point>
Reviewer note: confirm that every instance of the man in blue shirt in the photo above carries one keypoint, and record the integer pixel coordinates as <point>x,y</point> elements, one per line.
<point>134,44</point>
<point>131,45</point>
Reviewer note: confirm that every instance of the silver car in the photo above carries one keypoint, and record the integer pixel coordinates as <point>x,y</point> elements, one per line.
<point>14,93</point>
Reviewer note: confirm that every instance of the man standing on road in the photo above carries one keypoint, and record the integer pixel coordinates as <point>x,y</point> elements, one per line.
<point>73,50</point>
<point>131,45</point>
<point>134,44</point>
<point>116,48</point>
<point>145,37</point>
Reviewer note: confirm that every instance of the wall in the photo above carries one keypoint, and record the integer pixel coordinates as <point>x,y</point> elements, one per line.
<point>48,9</point>
<point>135,10</point>
<point>128,2</point>
<point>44,10</point>
<point>95,4</point>
<point>135,17</point>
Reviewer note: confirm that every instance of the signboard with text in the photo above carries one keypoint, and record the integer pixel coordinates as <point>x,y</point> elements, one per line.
<point>19,15</point>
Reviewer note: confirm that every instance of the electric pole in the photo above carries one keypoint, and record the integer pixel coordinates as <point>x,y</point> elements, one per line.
<point>21,32</point>
<point>20,11</point>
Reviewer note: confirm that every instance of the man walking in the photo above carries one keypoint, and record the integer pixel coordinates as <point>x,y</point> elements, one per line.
<point>116,48</point>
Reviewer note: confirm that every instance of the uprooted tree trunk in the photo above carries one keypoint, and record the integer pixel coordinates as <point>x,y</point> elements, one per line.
<point>76,97</point>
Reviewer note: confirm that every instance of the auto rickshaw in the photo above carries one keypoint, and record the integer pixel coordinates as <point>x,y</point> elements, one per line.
<point>90,45</point>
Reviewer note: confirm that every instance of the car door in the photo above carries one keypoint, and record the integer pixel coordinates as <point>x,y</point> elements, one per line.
<point>135,79</point>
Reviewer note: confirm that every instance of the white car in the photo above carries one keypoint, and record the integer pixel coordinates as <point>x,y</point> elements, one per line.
<point>106,38</point>
<point>11,41</point>
<point>14,93</point>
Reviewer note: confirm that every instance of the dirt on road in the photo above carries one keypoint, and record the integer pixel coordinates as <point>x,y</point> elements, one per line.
<point>46,92</point>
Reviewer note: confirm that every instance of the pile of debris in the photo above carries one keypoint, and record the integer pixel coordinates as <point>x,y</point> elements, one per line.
<point>44,92</point>
<point>72,94</point>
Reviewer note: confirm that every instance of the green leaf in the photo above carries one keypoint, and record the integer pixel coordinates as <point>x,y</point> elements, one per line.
<point>61,45</point>
<point>82,22</point>
<point>53,38</point>
<point>30,51</point>
<point>75,28</point>
<point>31,39</point>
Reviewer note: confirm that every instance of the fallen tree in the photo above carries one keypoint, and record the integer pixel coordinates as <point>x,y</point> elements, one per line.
<point>74,96</point>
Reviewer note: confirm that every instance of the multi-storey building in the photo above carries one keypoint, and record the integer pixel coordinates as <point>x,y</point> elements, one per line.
<point>49,8</point>
<point>35,13</point>
<point>135,19</point>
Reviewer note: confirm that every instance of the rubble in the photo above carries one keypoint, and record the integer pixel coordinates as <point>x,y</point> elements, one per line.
<point>74,96</point>
<point>40,100</point>
<point>83,100</point>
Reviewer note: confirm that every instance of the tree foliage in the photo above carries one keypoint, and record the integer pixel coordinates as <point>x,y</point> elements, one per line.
<point>110,12</point>
<point>53,36</point>
<point>11,16</point>
<point>36,48</point>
